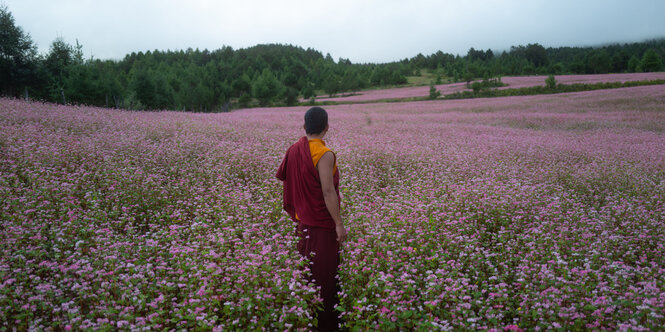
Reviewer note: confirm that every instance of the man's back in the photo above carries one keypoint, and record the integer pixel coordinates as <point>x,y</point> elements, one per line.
<point>311,197</point>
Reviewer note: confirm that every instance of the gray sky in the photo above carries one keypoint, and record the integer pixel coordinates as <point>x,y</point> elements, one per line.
<point>363,31</point>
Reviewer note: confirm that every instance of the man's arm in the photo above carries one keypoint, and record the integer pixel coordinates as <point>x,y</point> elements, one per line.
<point>325,167</point>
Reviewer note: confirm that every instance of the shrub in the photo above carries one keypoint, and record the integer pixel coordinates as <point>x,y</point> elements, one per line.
<point>433,92</point>
<point>477,87</point>
<point>550,82</point>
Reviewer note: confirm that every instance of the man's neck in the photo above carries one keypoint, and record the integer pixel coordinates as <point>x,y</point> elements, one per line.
<point>311,137</point>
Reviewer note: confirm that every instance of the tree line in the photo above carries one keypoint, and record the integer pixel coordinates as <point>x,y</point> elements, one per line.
<point>270,74</point>
<point>535,59</point>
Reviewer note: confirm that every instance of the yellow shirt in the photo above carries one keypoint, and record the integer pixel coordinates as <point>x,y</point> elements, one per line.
<point>317,147</point>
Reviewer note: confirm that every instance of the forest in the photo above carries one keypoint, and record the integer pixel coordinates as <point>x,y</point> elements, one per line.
<point>271,74</point>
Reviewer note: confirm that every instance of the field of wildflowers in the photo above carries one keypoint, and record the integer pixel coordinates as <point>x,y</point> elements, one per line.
<point>534,212</point>
<point>513,82</point>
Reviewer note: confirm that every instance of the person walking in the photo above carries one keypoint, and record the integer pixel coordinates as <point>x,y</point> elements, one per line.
<point>311,198</point>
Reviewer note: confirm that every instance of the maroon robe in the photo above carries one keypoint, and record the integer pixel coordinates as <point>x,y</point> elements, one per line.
<point>303,196</point>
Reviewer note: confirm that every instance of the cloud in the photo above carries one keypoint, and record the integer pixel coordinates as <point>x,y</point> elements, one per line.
<point>363,31</point>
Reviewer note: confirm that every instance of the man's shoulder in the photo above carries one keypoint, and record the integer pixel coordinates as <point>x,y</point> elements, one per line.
<point>328,156</point>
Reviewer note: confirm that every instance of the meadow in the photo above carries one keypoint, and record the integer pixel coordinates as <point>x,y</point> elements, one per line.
<point>516,213</point>
<point>512,82</point>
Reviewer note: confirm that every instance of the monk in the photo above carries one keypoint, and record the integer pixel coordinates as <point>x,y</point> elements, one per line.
<point>311,198</point>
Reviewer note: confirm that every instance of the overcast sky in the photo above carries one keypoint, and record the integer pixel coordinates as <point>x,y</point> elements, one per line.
<point>362,31</point>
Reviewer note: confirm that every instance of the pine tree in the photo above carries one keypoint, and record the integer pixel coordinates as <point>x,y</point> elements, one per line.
<point>18,56</point>
<point>651,61</point>
<point>266,87</point>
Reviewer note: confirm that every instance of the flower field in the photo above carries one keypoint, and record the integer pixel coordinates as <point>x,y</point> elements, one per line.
<point>535,213</point>
<point>513,82</point>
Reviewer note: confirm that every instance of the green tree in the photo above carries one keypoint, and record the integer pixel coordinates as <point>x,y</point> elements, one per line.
<point>477,87</point>
<point>266,87</point>
<point>245,99</point>
<point>58,64</point>
<point>144,89</point>
<point>651,61</point>
<point>308,91</point>
<point>536,54</point>
<point>18,56</point>
<point>108,84</point>
<point>242,85</point>
<point>620,61</point>
<point>634,64</point>
<point>439,74</point>
<point>433,92</point>
<point>81,85</point>
<point>290,96</point>
<point>332,85</point>
<point>599,62</point>
<point>350,81</point>
<point>163,93</point>
<point>550,82</point>
<point>467,77</point>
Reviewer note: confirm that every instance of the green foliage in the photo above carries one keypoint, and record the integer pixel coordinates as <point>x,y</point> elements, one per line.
<point>143,87</point>
<point>479,55</point>
<point>308,91</point>
<point>486,84</point>
<point>550,82</point>
<point>439,75</point>
<point>468,77</point>
<point>476,87</point>
<point>536,54</point>
<point>620,61</point>
<point>599,62</point>
<point>58,64</point>
<point>332,85</point>
<point>651,61</point>
<point>290,96</point>
<point>536,59</point>
<point>18,56</point>
<point>433,92</point>
<point>245,100</point>
<point>267,88</point>
<point>556,68</point>
<point>350,82</point>
<point>559,88</point>
<point>389,74</point>
<point>634,65</point>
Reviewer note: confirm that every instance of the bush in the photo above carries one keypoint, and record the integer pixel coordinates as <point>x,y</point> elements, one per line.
<point>550,82</point>
<point>486,84</point>
<point>244,100</point>
<point>477,86</point>
<point>433,92</point>
<point>537,90</point>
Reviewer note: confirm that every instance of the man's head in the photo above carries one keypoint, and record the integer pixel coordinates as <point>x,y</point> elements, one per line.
<point>316,121</point>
